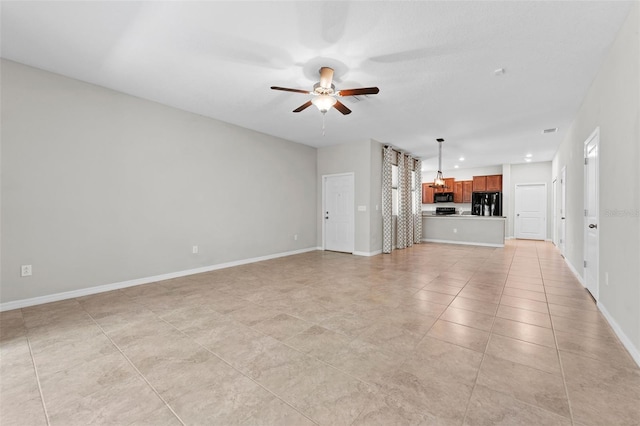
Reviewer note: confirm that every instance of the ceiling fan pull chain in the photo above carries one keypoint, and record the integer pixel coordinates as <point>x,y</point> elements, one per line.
<point>323,114</point>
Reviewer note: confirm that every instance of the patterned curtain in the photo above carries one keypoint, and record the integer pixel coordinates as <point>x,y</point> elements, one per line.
<point>409,206</point>
<point>387,208</point>
<point>401,231</point>
<point>417,217</point>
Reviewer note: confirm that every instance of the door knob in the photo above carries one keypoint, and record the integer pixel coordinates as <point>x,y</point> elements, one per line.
<point>593,225</point>
<point>563,218</point>
<point>326,217</point>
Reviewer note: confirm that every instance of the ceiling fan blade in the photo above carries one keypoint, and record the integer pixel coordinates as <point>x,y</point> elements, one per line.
<point>341,107</point>
<point>306,92</point>
<point>361,91</point>
<point>303,107</point>
<point>326,77</point>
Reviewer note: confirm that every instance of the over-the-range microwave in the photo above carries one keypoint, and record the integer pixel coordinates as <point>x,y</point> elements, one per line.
<point>446,197</point>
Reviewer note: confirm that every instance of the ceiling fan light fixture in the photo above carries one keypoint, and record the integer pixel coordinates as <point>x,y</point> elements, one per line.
<point>324,102</point>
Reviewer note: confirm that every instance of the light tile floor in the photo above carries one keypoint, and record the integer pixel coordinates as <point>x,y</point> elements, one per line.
<point>434,334</point>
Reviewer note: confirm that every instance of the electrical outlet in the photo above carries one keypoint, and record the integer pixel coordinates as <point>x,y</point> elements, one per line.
<point>194,250</point>
<point>606,279</point>
<point>25,271</point>
<point>455,230</point>
<point>295,237</point>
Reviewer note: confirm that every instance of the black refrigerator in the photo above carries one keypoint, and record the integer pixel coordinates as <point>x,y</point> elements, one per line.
<point>486,203</point>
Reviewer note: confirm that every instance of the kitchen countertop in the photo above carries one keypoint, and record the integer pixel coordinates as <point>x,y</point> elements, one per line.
<point>459,216</point>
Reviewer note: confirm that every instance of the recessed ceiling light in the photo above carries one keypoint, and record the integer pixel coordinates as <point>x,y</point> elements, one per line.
<point>529,155</point>
<point>461,158</point>
<point>552,130</point>
<point>456,166</point>
<point>528,160</point>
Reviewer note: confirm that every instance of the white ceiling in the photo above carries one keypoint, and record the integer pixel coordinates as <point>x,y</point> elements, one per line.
<point>433,61</point>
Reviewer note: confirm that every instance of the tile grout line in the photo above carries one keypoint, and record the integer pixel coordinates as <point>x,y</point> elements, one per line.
<point>555,338</point>
<point>35,370</point>
<point>484,352</point>
<point>134,367</point>
<point>226,362</point>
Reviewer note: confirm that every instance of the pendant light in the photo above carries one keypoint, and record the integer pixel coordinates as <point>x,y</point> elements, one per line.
<point>438,182</point>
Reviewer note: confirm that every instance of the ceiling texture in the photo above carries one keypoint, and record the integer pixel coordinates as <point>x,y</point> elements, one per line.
<point>435,63</point>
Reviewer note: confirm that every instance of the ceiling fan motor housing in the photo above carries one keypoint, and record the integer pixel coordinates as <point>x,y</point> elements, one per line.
<point>319,90</point>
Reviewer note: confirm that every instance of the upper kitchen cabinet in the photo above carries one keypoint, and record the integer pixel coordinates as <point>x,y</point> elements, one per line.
<point>494,183</point>
<point>457,191</point>
<point>491,183</point>
<point>427,193</point>
<point>448,186</point>
<point>467,189</point>
<point>479,183</point>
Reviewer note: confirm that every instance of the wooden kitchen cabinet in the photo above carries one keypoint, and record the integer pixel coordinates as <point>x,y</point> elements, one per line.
<point>427,193</point>
<point>457,192</point>
<point>467,189</point>
<point>479,183</point>
<point>448,186</point>
<point>494,183</point>
<point>490,183</point>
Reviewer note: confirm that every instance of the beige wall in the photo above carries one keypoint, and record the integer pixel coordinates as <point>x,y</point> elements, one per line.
<point>365,161</point>
<point>99,187</point>
<point>612,104</point>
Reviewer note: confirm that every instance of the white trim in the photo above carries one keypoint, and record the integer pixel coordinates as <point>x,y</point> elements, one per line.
<point>628,344</point>
<point>466,243</point>
<point>554,210</point>
<point>562,236</point>
<point>367,253</point>
<point>23,303</point>
<point>575,272</point>
<point>633,351</point>
<point>595,136</point>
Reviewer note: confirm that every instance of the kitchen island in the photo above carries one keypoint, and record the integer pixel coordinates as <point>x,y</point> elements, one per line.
<point>464,229</point>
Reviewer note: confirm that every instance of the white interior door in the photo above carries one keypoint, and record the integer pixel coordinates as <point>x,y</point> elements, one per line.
<point>591,213</point>
<point>554,198</point>
<point>338,212</point>
<point>563,211</point>
<point>531,211</point>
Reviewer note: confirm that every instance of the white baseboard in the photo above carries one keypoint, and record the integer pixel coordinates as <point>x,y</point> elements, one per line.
<point>633,351</point>
<point>575,272</point>
<point>466,243</point>
<point>16,304</point>
<point>367,253</point>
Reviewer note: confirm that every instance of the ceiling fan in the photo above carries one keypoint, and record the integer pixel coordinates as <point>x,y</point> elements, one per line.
<point>325,94</point>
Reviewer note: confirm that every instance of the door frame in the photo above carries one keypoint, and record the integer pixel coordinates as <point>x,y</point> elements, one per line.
<point>554,216</point>
<point>515,205</point>
<point>595,136</point>
<point>353,215</point>
<point>563,211</point>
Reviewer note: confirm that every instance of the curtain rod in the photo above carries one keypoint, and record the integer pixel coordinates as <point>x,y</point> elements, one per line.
<point>400,152</point>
